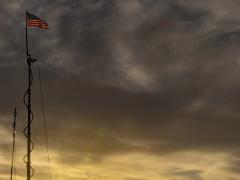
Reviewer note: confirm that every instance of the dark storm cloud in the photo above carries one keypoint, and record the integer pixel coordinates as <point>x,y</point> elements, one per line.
<point>154,71</point>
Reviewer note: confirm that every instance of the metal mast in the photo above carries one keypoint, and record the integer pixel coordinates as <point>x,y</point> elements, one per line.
<point>13,145</point>
<point>27,130</point>
<point>31,20</point>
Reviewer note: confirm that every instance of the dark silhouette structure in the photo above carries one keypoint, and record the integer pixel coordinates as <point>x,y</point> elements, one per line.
<point>27,130</point>
<point>13,144</point>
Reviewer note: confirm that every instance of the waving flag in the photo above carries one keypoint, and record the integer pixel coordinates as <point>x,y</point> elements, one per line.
<point>33,20</point>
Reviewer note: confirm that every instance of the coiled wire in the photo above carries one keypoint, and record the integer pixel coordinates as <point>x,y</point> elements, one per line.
<point>31,119</point>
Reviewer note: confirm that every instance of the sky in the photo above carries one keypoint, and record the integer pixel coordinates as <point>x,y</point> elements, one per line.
<point>133,89</point>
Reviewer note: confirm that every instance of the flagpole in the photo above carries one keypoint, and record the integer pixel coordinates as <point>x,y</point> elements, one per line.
<point>13,146</point>
<point>29,140</point>
<point>29,108</point>
<point>26,36</point>
<point>30,60</point>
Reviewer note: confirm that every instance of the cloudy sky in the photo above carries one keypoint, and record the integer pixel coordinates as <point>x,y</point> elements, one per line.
<point>134,89</point>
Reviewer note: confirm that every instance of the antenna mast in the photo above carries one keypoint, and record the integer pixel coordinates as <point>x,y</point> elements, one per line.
<point>13,146</point>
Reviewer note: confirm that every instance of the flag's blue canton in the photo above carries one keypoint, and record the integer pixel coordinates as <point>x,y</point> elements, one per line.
<point>31,16</point>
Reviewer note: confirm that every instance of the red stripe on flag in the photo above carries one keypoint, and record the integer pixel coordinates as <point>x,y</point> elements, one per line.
<point>37,23</point>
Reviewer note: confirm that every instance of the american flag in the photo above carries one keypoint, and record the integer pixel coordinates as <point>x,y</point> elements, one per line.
<point>33,20</point>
